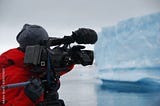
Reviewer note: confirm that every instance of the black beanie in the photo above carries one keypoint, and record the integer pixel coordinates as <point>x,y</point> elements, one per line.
<point>31,35</point>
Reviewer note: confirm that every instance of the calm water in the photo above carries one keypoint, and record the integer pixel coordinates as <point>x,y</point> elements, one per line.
<point>79,89</point>
<point>90,93</point>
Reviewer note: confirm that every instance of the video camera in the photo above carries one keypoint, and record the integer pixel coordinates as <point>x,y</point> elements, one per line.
<point>62,55</point>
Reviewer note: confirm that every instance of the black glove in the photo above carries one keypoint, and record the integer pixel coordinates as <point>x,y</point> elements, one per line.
<point>34,90</point>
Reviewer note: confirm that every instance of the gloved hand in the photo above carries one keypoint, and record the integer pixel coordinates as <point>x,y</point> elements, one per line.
<point>34,90</point>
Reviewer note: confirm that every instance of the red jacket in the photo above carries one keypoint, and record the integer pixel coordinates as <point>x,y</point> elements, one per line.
<point>14,73</point>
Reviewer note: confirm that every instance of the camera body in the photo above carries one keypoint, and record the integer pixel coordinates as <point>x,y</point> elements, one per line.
<point>62,55</point>
<point>58,57</point>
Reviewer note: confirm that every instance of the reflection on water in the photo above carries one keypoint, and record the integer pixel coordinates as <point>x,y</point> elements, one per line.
<point>129,88</point>
<point>112,98</point>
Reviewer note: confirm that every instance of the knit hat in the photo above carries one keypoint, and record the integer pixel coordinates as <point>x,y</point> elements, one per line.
<point>31,35</point>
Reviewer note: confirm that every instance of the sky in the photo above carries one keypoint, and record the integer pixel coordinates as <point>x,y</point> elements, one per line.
<point>61,17</point>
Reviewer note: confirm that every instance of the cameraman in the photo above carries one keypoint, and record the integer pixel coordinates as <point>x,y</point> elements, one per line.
<point>13,70</point>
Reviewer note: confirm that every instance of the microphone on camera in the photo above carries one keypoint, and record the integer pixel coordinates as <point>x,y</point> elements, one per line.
<point>85,36</point>
<point>80,36</point>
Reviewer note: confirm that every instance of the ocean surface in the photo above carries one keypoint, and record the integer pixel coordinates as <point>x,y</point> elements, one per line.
<point>78,88</point>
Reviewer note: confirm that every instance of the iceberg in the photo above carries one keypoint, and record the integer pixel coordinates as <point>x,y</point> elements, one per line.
<point>129,50</point>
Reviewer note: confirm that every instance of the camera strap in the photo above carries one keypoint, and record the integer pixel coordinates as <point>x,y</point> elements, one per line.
<point>48,70</point>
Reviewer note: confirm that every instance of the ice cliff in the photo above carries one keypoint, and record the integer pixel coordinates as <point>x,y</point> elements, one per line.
<point>131,45</point>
